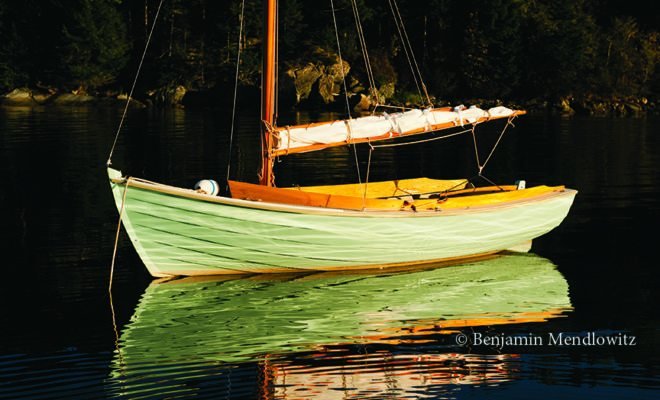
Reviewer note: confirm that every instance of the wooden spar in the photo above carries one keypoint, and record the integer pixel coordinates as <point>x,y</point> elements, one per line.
<point>385,136</point>
<point>268,89</point>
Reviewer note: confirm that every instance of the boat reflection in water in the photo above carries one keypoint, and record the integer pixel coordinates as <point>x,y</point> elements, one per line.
<point>328,334</point>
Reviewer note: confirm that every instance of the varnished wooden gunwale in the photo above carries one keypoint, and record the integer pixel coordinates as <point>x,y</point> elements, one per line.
<point>478,198</point>
<point>260,203</point>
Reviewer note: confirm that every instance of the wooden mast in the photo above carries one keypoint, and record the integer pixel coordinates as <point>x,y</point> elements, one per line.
<point>268,89</point>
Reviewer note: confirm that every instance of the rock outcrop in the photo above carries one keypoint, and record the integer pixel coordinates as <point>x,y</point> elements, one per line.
<point>168,96</point>
<point>593,105</point>
<point>321,85</point>
<point>312,85</point>
<point>25,97</point>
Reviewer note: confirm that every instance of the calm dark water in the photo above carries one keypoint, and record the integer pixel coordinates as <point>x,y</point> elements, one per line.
<point>575,318</point>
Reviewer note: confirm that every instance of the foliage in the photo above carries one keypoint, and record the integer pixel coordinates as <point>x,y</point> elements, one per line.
<point>631,57</point>
<point>473,48</point>
<point>94,46</point>
<point>559,46</point>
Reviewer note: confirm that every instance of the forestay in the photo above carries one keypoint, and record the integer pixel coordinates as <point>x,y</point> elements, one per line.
<point>378,127</point>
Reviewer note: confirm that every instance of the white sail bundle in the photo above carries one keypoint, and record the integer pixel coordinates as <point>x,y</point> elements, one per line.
<point>383,126</point>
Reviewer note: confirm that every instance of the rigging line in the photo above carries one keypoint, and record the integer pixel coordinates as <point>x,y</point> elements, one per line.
<point>463,183</point>
<point>476,150</point>
<point>233,111</point>
<point>498,140</point>
<point>366,183</point>
<point>390,106</point>
<point>114,325</point>
<point>404,39</point>
<point>341,61</point>
<point>487,180</point>
<point>114,252</point>
<point>422,141</point>
<point>412,54</point>
<point>363,192</point>
<point>130,95</point>
<point>365,55</point>
<point>363,47</point>
<point>341,64</point>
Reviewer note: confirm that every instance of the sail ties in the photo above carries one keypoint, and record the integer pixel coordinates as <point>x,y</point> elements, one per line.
<point>427,115</point>
<point>288,138</point>
<point>316,136</point>
<point>270,128</point>
<point>392,120</point>
<point>349,132</point>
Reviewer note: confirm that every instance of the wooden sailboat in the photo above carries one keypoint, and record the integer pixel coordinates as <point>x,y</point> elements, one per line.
<point>263,229</point>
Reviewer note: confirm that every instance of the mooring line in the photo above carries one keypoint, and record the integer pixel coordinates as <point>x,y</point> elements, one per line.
<point>130,94</point>
<point>114,325</point>
<point>114,251</point>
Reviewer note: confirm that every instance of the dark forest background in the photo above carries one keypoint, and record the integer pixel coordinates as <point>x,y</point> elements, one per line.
<point>504,49</point>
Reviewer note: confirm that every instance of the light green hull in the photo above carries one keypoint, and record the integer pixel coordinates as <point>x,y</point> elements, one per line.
<point>180,232</point>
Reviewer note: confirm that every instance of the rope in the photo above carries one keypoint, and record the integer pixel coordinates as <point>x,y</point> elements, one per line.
<point>357,166</point>
<point>498,139</point>
<point>114,251</point>
<point>476,151</point>
<point>474,137</point>
<point>421,141</point>
<point>366,183</point>
<point>114,325</point>
<point>341,62</point>
<point>365,55</point>
<point>491,182</point>
<point>407,47</point>
<point>130,95</point>
<point>233,111</point>
<point>348,107</point>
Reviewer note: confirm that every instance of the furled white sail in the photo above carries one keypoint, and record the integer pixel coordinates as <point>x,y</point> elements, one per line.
<point>383,126</point>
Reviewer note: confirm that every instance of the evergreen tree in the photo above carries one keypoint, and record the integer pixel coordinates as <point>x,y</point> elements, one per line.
<point>560,43</point>
<point>474,71</point>
<point>488,49</point>
<point>29,33</point>
<point>292,28</point>
<point>630,58</point>
<point>12,52</point>
<point>93,48</point>
<point>439,51</point>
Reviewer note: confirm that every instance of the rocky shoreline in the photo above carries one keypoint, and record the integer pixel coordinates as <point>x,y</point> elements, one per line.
<point>39,97</point>
<point>302,93</point>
